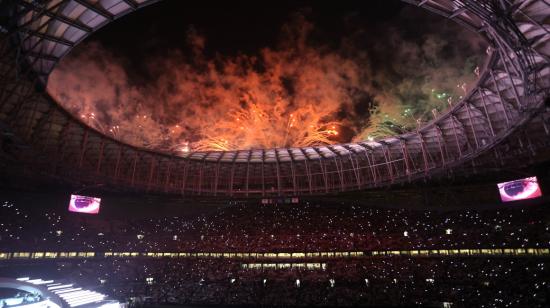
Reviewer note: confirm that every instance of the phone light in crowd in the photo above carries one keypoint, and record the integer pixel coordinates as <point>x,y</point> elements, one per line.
<point>527,188</point>
<point>84,204</point>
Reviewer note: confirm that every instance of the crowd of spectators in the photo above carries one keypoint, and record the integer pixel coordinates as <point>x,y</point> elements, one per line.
<point>280,228</point>
<point>374,281</point>
<point>443,281</point>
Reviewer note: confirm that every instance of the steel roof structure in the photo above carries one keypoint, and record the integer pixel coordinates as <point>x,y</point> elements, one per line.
<point>502,117</point>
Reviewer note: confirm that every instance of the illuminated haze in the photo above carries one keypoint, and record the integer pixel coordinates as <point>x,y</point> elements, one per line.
<point>300,92</point>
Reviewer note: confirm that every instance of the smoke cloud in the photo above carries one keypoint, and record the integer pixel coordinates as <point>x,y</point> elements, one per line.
<point>300,92</point>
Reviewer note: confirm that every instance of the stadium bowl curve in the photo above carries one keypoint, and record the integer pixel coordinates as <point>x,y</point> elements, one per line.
<point>508,100</point>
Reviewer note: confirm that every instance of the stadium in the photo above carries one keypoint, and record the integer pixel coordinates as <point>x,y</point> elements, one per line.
<point>438,206</point>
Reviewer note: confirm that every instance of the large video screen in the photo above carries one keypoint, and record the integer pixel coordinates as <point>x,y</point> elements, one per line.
<point>84,204</point>
<point>527,188</point>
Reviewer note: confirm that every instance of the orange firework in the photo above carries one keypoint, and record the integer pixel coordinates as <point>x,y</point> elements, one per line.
<point>291,96</point>
<point>260,127</point>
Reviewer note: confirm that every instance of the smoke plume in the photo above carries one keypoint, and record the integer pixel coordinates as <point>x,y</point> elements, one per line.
<point>300,92</point>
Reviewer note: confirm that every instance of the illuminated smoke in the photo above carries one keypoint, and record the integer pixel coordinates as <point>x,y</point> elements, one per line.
<point>296,94</point>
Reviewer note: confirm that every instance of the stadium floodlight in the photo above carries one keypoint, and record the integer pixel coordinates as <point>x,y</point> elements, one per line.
<point>39,281</point>
<point>110,305</point>
<point>77,295</point>
<point>71,295</point>
<point>59,292</point>
<point>63,286</point>
<point>85,303</point>
<point>44,282</point>
<point>53,284</point>
<point>87,300</point>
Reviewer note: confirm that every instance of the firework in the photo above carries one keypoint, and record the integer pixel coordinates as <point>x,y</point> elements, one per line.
<point>294,96</point>
<point>257,126</point>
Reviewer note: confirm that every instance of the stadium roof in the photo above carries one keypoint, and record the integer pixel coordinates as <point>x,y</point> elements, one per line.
<point>511,91</point>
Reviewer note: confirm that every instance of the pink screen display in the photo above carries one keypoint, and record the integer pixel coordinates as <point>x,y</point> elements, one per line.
<point>527,188</point>
<point>83,204</point>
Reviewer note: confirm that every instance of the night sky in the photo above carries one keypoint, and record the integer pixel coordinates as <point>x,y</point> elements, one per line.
<point>240,26</point>
<point>245,26</point>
